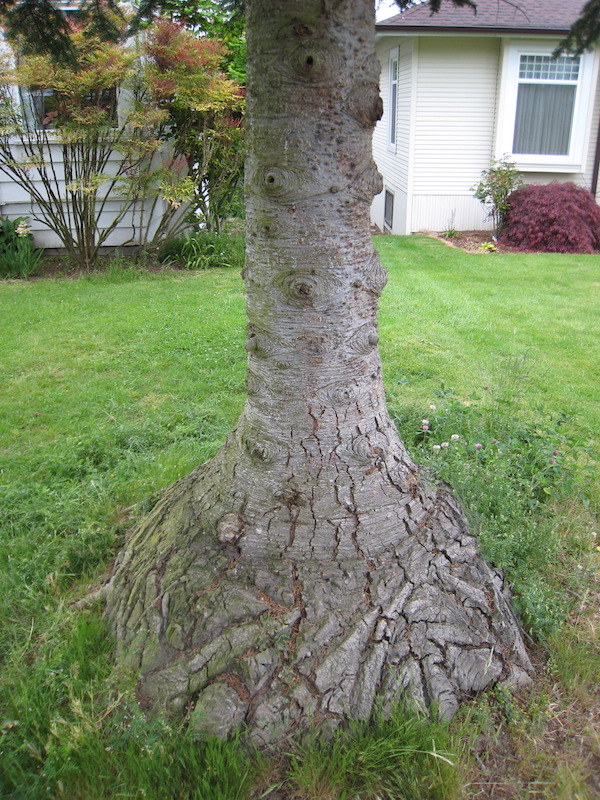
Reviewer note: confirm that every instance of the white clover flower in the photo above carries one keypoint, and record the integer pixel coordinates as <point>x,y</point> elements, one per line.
<point>425,422</point>
<point>432,407</point>
<point>436,447</point>
<point>594,534</point>
<point>445,444</point>
<point>455,437</point>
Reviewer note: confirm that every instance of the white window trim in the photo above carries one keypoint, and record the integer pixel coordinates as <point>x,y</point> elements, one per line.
<point>392,127</point>
<point>512,51</point>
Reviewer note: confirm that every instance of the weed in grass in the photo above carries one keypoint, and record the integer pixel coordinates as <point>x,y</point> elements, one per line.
<point>506,470</point>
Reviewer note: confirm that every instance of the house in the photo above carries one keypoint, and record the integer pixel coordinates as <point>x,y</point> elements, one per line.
<point>461,88</point>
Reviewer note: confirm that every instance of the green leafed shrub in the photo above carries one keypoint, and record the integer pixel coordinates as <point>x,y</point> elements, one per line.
<point>18,257</point>
<point>555,218</point>
<point>495,188</point>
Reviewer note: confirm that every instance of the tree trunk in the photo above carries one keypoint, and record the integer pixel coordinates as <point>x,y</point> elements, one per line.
<point>310,569</point>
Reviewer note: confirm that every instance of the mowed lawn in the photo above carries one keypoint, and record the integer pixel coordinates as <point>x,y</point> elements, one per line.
<point>114,385</point>
<point>465,319</point>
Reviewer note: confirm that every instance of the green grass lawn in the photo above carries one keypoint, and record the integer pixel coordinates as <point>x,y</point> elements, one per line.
<point>115,385</point>
<point>462,318</point>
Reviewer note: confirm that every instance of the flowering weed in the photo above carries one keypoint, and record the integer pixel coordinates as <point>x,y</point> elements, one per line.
<point>510,474</point>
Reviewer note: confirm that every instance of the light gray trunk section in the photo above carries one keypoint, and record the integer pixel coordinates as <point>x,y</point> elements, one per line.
<point>310,569</point>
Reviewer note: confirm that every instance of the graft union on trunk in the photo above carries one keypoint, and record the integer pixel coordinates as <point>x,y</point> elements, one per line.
<point>310,568</point>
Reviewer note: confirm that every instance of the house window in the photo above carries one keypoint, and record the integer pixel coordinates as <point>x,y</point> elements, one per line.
<point>41,106</point>
<point>393,99</point>
<point>545,104</point>
<point>388,211</point>
<point>544,114</point>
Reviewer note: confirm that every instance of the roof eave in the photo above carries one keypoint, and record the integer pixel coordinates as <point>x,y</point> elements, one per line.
<point>505,31</point>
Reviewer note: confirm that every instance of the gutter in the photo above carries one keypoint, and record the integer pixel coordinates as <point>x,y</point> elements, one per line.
<point>507,31</point>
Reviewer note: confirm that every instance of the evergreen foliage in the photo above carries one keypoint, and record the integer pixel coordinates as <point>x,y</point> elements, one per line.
<point>585,32</point>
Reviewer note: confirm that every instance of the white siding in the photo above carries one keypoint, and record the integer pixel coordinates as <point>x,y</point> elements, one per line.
<point>591,151</point>
<point>441,212</point>
<point>454,129</point>
<point>394,163</point>
<point>16,202</point>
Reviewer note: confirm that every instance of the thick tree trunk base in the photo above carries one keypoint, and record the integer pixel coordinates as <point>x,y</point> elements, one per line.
<point>233,610</point>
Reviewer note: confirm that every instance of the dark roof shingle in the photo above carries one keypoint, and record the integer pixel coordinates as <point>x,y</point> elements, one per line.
<point>492,15</point>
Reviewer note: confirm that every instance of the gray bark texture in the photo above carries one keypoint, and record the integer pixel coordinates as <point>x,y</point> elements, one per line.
<point>310,570</point>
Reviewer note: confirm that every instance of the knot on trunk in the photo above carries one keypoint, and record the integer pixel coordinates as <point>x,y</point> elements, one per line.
<point>364,340</point>
<point>230,528</point>
<point>315,62</point>
<point>364,104</point>
<point>340,393</point>
<point>280,182</point>
<point>307,287</point>
<point>367,183</point>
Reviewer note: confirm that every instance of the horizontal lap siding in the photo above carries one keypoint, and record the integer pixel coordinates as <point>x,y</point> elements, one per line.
<point>16,202</point>
<point>591,153</point>
<point>394,165</point>
<point>454,129</point>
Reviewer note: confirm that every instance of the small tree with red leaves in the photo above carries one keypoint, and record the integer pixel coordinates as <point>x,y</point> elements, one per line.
<point>553,218</point>
<point>204,108</point>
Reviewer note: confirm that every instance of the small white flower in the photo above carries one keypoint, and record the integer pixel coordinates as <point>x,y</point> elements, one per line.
<point>22,229</point>
<point>436,447</point>
<point>432,407</point>
<point>594,534</point>
<point>445,444</point>
<point>425,422</point>
<point>579,566</point>
<point>455,437</point>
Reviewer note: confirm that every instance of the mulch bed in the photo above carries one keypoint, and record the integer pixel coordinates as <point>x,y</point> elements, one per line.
<point>473,241</point>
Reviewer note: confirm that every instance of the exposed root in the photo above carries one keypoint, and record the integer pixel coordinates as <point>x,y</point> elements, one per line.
<point>279,640</point>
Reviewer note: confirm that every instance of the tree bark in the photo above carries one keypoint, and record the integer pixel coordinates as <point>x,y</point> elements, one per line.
<point>310,569</point>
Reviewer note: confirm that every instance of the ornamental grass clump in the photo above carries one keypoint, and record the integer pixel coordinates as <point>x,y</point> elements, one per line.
<point>555,218</point>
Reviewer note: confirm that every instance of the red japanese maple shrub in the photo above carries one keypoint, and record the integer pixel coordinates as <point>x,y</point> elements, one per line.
<point>555,218</point>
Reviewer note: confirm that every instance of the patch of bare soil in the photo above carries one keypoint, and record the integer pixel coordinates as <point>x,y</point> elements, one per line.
<point>473,241</point>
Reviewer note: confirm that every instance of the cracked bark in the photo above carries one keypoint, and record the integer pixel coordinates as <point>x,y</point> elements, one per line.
<point>310,567</point>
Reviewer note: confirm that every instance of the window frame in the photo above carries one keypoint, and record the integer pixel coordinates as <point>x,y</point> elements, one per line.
<point>388,226</point>
<point>392,127</point>
<point>32,104</point>
<point>574,160</point>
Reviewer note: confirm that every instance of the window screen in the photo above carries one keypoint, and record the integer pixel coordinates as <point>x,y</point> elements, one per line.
<point>388,211</point>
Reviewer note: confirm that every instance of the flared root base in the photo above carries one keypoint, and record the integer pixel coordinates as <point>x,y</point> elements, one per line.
<point>273,640</point>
